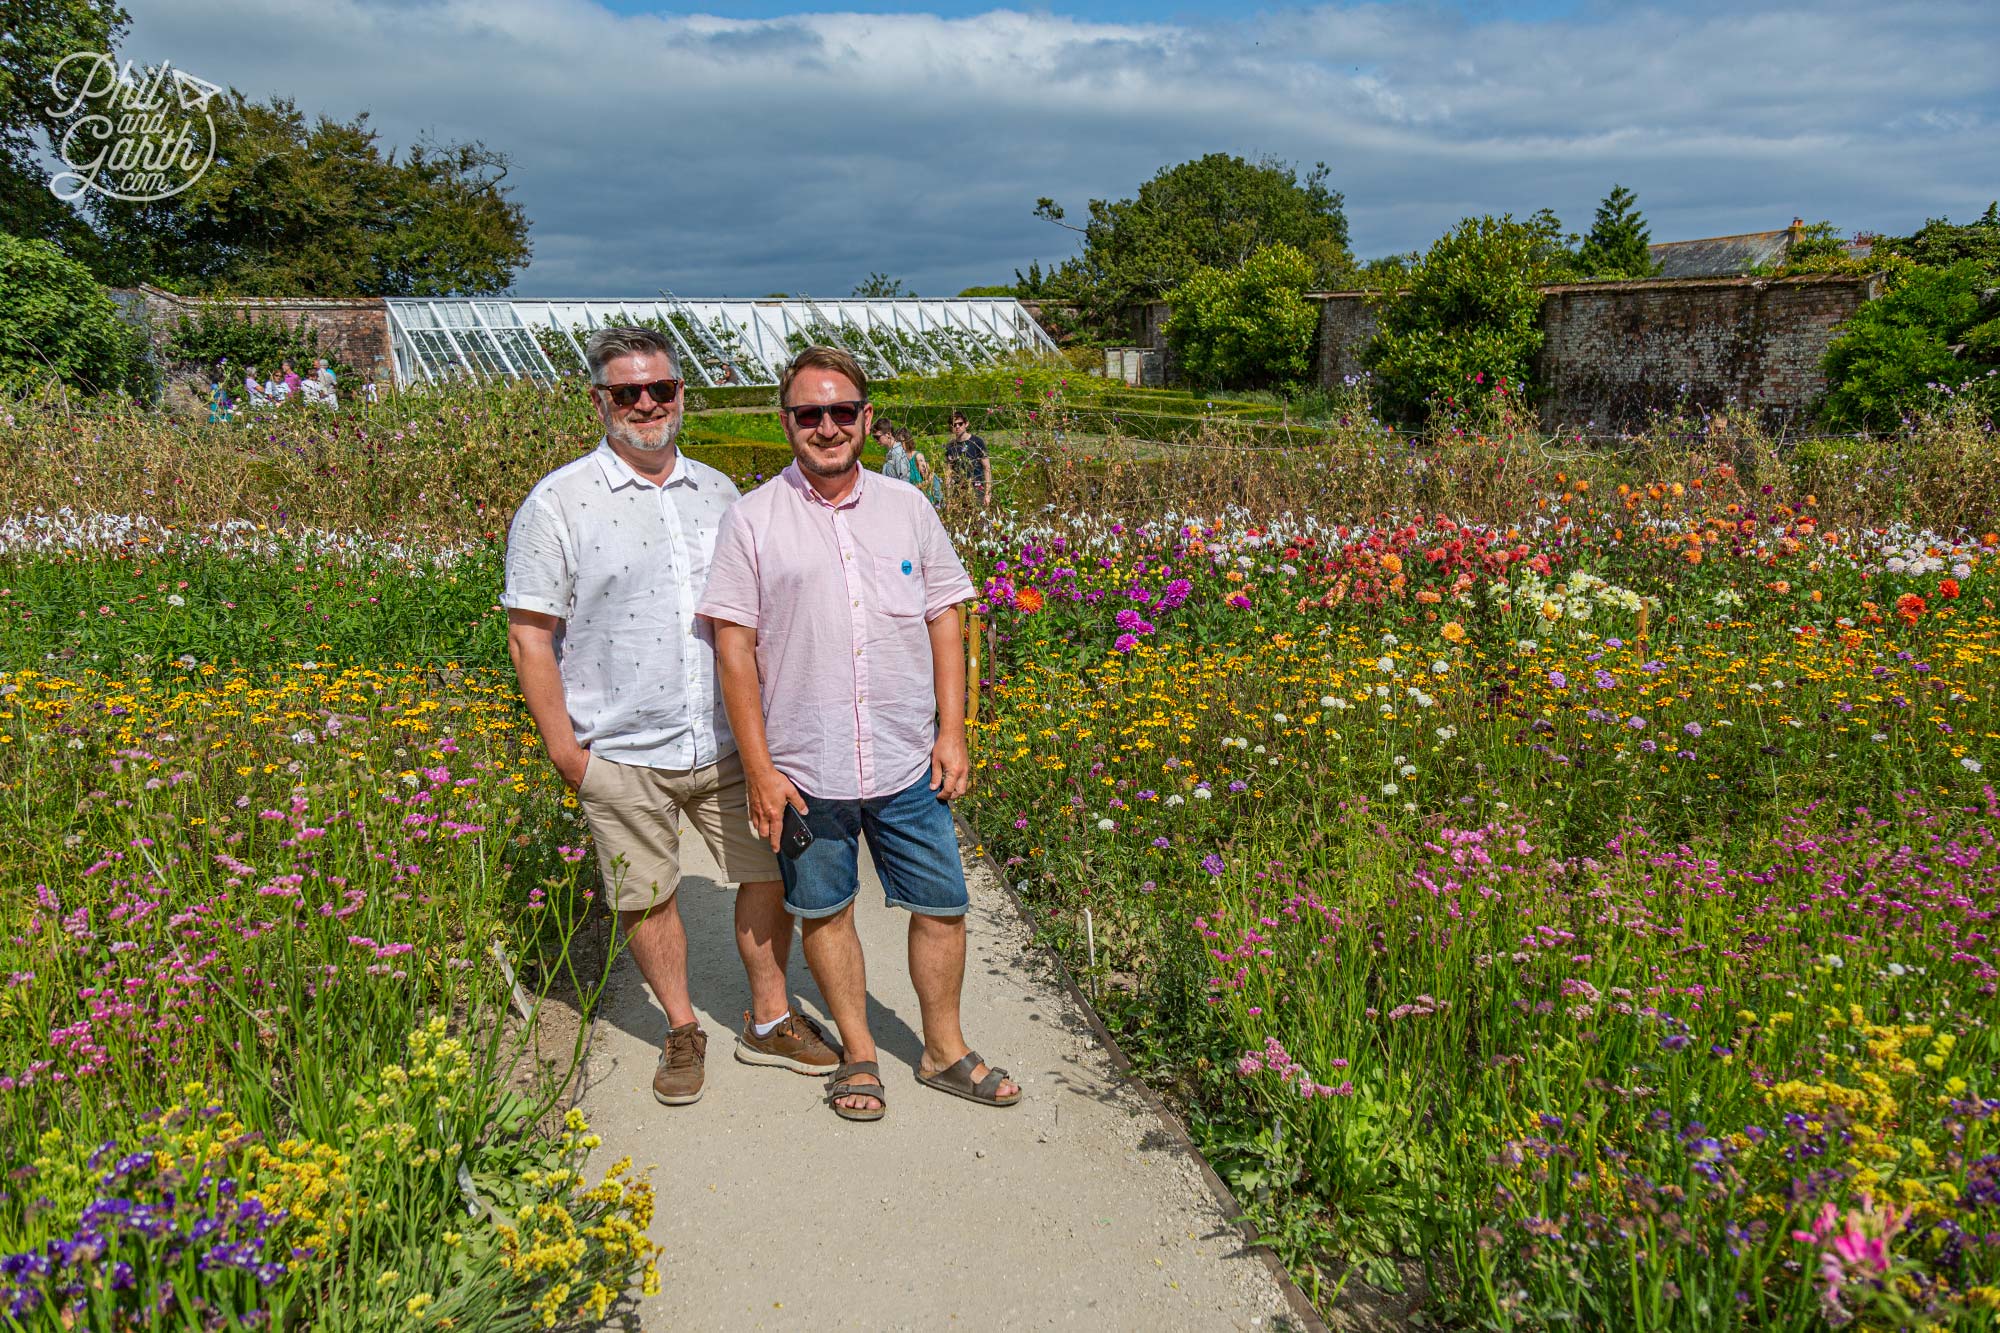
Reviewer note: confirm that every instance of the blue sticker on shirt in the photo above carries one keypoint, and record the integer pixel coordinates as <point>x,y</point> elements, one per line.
<point>906,566</point>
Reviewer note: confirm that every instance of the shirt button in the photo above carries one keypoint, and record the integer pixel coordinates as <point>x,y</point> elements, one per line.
<point>857,601</point>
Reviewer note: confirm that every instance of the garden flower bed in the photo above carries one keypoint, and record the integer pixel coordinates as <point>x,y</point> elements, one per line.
<point>1588,908</point>
<point>1558,879</point>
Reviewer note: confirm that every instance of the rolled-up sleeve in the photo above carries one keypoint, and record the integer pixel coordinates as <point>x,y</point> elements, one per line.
<point>731,591</point>
<point>946,583</point>
<point>540,575</point>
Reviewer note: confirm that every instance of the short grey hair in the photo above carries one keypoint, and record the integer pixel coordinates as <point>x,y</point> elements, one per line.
<point>615,340</point>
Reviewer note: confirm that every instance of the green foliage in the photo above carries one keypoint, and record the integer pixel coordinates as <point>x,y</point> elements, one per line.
<point>1212,212</point>
<point>55,319</point>
<point>296,209</point>
<point>1555,250</point>
<point>989,289</point>
<point>37,35</point>
<point>881,284</point>
<point>1388,273</point>
<point>1817,247</point>
<point>1896,347</point>
<point>1250,326</point>
<point>1940,244</point>
<point>216,333</point>
<point>1466,326</point>
<point>1616,246</point>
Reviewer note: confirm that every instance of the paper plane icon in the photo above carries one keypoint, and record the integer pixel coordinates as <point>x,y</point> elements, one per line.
<point>193,93</point>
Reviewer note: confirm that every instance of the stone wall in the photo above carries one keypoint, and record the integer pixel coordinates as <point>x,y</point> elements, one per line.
<point>1346,325</point>
<point>352,330</point>
<point>1614,351</point>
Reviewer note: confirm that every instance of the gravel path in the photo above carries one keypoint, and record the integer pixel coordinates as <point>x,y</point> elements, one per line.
<point>1074,1209</point>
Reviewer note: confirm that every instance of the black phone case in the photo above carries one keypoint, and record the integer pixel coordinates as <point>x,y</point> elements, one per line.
<point>795,836</point>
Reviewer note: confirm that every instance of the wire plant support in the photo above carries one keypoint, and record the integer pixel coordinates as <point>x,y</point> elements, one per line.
<point>722,341</point>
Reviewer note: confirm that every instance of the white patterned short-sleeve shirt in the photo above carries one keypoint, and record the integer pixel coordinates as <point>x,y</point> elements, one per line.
<point>620,561</point>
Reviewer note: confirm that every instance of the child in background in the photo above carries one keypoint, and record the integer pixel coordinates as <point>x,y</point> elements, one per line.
<point>926,478</point>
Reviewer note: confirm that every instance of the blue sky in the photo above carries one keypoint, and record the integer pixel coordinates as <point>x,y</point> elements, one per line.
<point>748,148</point>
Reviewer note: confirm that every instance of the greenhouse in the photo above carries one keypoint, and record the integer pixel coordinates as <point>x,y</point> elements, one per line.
<point>721,341</point>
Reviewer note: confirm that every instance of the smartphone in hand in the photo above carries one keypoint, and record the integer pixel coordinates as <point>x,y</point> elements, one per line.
<point>794,837</point>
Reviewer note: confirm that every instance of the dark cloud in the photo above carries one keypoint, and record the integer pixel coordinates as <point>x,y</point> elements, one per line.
<point>717,156</point>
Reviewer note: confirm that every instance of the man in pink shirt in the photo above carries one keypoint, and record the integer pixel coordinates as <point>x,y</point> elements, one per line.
<point>834,592</point>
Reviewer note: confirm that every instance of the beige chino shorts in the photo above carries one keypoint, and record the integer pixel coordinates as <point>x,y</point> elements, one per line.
<point>635,819</point>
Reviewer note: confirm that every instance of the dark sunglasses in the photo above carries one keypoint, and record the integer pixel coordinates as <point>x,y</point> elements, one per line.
<point>809,417</point>
<point>626,395</point>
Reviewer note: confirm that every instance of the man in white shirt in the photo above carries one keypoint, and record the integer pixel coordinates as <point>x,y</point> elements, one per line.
<point>605,560</point>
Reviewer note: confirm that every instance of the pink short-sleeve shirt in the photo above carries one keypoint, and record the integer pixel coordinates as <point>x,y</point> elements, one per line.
<point>841,598</point>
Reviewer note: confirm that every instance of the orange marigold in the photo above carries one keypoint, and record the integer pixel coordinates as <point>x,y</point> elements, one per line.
<point>1909,606</point>
<point>1948,589</point>
<point>1028,599</point>
<point>1392,563</point>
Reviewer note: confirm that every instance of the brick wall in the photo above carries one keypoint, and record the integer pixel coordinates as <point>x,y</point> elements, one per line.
<point>1614,351</point>
<point>352,330</point>
<point>1346,325</point>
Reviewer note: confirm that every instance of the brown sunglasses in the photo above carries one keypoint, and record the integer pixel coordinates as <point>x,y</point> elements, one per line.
<point>627,395</point>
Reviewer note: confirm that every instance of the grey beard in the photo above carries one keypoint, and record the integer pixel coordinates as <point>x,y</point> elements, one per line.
<point>627,436</point>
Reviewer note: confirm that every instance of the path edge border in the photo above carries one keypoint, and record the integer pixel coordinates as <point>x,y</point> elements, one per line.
<point>1302,1309</point>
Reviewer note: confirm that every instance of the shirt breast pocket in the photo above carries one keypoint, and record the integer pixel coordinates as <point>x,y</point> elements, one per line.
<point>899,586</point>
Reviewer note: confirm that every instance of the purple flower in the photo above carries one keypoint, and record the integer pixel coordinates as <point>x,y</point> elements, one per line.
<point>1162,843</point>
<point>1239,786</point>
<point>1692,728</point>
<point>1635,722</point>
<point>1213,864</point>
<point>1126,643</point>
<point>1559,680</point>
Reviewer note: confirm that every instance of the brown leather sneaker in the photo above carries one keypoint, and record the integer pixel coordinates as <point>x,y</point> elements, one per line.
<point>797,1044</point>
<point>677,1082</point>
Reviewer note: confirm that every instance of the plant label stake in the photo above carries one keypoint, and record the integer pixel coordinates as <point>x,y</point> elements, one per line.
<point>1090,944</point>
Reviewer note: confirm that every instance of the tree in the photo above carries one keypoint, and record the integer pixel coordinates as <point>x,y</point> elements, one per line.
<point>1940,244</point>
<point>56,321</point>
<point>1247,327</point>
<point>38,34</point>
<point>1555,250</point>
<point>881,284</point>
<point>1466,325</point>
<point>295,209</point>
<point>1616,246</point>
<point>1212,212</point>
<point>1925,330</point>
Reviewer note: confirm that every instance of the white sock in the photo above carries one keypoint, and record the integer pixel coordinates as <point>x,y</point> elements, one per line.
<point>766,1029</point>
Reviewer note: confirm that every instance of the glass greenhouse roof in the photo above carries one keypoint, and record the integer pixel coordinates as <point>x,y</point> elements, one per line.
<point>438,339</point>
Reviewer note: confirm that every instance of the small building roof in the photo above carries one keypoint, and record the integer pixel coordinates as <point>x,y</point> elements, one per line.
<point>1721,256</point>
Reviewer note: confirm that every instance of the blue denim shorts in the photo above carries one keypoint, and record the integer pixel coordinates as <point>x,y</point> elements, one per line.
<point>910,837</point>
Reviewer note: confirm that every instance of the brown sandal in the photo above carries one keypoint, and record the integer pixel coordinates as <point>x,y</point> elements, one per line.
<point>839,1087</point>
<point>957,1081</point>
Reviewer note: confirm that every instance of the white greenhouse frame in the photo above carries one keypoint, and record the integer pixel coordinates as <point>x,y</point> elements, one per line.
<point>721,341</point>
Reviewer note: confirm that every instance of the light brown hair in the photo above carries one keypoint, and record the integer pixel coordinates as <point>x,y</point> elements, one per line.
<point>819,357</point>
